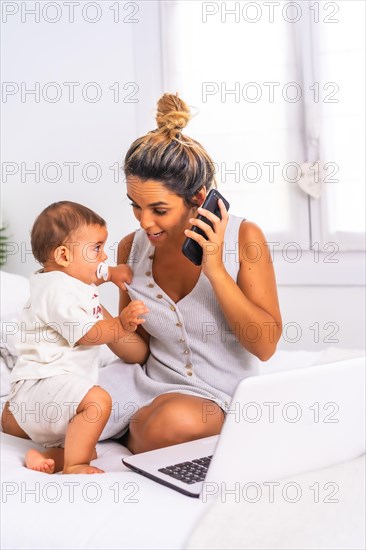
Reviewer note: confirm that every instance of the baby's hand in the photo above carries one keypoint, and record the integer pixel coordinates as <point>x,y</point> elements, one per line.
<point>129,315</point>
<point>120,274</point>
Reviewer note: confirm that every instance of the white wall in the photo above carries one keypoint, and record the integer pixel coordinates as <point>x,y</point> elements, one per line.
<point>39,130</point>
<point>322,298</point>
<point>62,123</point>
<point>316,317</point>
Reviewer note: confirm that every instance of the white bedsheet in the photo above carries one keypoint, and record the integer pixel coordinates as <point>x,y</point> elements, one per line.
<point>115,510</point>
<point>118,509</point>
<point>319,510</point>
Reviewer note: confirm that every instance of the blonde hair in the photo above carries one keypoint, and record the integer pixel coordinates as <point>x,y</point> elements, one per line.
<point>170,157</point>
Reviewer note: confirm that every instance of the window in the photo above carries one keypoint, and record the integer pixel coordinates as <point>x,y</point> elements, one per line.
<point>339,54</point>
<point>279,95</point>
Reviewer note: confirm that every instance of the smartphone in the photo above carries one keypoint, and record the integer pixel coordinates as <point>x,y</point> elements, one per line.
<point>191,248</point>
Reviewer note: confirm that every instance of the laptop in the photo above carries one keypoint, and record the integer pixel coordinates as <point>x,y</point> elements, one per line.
<point>277,425</point>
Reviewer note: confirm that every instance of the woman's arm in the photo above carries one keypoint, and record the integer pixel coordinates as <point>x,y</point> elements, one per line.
<point>250,305</point>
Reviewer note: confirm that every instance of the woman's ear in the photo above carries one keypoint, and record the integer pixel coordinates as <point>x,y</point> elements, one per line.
<point>199,197</point>
<point>61,256</point>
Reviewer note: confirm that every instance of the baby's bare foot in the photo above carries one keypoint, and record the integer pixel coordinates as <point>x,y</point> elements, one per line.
<point>82,469</point>
<point>35,460</point>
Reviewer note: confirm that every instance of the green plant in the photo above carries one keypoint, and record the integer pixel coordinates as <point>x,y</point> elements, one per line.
<point>3,244</point>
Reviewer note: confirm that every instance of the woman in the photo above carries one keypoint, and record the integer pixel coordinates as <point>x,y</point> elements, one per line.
<point>206,325</point>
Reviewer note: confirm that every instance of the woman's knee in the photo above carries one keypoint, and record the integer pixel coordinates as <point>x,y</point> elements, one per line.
<point>172,419</point>
<point>198,417</point>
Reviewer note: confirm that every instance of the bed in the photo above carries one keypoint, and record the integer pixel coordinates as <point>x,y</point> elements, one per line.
<point>123,510</point>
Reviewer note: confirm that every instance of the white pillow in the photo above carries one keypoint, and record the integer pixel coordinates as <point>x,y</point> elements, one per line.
<point>14,294</point>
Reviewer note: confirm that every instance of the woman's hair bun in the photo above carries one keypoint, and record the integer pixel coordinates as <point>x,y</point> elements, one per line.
<point>173,114</point>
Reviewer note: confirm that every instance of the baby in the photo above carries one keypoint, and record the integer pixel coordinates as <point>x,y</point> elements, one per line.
<point>55,399</point>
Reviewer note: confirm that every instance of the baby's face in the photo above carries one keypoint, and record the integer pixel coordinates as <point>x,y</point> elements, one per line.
<point>86,252</point>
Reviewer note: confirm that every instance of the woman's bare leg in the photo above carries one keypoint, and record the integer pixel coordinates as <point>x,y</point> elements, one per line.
<point>84,430</point>
<point>173,418</point>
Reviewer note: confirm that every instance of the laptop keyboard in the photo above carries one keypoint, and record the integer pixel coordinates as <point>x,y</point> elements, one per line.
<point>189,472</point>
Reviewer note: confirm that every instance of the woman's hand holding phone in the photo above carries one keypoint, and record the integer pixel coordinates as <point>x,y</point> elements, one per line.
<point>207,234</point>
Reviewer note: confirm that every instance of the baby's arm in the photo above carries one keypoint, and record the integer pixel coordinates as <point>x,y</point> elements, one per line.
<point>118,333</point>
<point>118,275</point>
<point>130,315</point>
<point>132,348</point>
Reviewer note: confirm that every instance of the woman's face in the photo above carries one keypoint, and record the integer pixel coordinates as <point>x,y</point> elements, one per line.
<point>161,213</point>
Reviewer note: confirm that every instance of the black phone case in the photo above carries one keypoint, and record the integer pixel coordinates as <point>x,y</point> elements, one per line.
<point>191,249</point>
